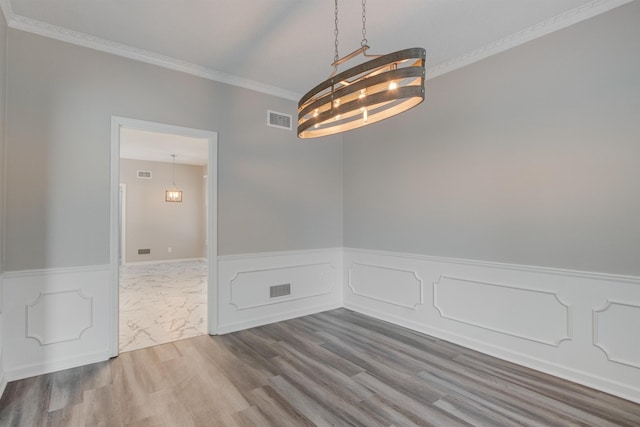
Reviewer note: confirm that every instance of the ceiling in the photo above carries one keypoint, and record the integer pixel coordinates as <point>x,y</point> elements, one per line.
<point>158,147</point>
<point>285,47</point>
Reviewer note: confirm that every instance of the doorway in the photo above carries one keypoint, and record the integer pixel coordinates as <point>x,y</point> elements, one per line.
<point>121,129</point>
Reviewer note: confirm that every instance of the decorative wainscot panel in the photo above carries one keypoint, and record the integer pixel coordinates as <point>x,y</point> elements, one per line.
<point>59,318</point>
<point>533,314</point>
<point>371,281</point>
<point>576,325</point>
<point>616,331</point>
<point>257,289</point>
<point>74,315</point>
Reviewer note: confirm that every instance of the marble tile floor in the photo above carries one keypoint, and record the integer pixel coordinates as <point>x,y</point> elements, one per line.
<point>162,302</point>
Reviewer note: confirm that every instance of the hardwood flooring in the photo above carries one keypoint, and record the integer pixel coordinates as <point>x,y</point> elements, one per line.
<point>337,368</point>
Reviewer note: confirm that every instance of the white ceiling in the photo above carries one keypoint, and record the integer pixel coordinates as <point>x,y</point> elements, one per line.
<point>158,147</point>
<point>285,47</point>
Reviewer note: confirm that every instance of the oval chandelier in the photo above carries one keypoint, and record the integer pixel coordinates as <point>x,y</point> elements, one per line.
<point>366,93</point>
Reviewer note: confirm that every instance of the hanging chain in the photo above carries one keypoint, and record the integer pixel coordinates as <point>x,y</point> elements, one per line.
<point>174,169</point>
<point>335,32</point>
<point>364,23</point>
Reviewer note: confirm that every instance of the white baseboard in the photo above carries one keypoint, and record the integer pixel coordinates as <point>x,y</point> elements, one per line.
<point>46,367</point>
<point>3,385</point>
<point>3,379</point>
<point>163,261</point>
<point>233,327</point>
<point>571,324</point>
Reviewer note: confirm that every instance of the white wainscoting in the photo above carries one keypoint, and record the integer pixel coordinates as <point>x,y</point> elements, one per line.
<point>3,379</point>
<point>57,319</point>
<point>575,325</point>
<point>244,281</point>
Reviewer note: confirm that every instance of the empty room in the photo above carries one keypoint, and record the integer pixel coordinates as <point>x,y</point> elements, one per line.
<point>320,213</point>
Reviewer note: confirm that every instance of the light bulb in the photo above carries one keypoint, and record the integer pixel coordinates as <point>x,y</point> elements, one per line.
<point>363,93</point>
<point>315,113</point>
<point>365,115</point>
<point>393,85</point>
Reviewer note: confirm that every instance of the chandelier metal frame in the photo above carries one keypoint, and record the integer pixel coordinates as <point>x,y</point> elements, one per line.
<point>366,93</point>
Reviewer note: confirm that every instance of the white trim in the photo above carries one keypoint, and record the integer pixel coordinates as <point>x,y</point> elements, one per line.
<point>570,348</point>
<point>3,384</point>
<point>411,306</point>
<point>300,252</point>
<point>609,353</point>
<point>32,370</point>
<point>281,299</point>
<point>51,31</point>
<point>252,323</point>
<point>545,27</point>
<point>122,197</point>
<point>635,280</point>
<point>212,215</point>
<point>55,271</point>
<point>315,278</point>
<point>7,10</point>
<point>39,335</point>
<point>425,319</point>
<point>3,378</point>
<point>51,343</point>
<point>567,335</point>
<point>165,261</point>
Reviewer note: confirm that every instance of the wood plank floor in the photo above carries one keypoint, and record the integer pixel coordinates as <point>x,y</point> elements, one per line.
<point>337,368</point>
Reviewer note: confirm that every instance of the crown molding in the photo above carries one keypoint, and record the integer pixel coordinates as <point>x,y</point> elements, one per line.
<point>44,29</point>
<point>550,25</point>
<point>558,22</point>
<point>7,10</point>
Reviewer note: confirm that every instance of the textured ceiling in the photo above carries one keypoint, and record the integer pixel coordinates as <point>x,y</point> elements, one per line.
<point>284,47</point>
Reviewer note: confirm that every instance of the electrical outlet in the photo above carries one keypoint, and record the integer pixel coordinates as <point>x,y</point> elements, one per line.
<point>169,249</point>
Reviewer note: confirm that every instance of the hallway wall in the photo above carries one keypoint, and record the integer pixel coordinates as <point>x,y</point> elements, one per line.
<point>152,223</point>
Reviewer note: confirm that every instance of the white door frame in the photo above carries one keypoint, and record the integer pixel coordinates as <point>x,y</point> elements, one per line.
<point>122,198</point>
<point>212,216</point>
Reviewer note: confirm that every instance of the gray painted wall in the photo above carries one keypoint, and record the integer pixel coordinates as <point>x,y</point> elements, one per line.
<point>275,193</point>
<point>528,157</point>
<point>152,223</point>
<point>3,80</point>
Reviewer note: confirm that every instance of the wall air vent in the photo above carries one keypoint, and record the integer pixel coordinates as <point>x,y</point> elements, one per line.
<point>280,290</point>
<point>144,174</point>
<point>278,120</point>
<point>144,251</point>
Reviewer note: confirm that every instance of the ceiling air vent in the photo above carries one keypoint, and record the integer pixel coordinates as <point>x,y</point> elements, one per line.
<point>278,120</point>
<point>144,174</point>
